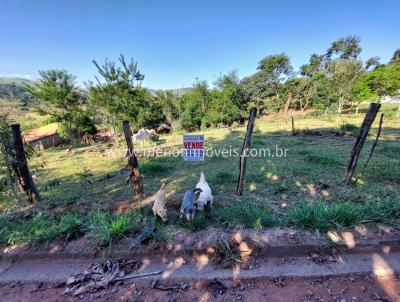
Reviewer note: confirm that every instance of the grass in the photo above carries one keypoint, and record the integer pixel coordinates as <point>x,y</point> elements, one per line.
<point>243,215</point>
<point>302,190</point>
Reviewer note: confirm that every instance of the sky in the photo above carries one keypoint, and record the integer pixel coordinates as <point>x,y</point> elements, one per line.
<point>175,42</point>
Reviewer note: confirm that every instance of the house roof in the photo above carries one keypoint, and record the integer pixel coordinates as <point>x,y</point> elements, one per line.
<point>41,132</point>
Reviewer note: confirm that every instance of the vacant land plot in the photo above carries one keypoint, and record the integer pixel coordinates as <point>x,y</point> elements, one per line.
<point>87,194</point>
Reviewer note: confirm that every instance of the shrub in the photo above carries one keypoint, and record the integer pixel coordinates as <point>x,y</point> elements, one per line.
<point>244,215</point>
<point>349,128</point>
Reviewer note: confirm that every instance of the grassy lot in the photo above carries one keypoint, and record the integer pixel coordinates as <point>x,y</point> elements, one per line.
<point>85,193</point>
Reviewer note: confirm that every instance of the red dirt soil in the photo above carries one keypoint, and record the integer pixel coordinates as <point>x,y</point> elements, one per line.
<point>352,288</point>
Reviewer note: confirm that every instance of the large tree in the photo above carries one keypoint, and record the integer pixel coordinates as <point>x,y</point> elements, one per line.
<point>343,68</point>
<point>344,48</point>
<point>344,75</point>
<point>56,94</point>
<point>263,88</point>
<point>117,95</point>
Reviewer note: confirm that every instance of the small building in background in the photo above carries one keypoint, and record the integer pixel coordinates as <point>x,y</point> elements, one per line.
<point>44,137</point>
<point>45,141</point>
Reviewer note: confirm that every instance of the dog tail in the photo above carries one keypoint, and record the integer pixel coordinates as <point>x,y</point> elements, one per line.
<point>202,178</point>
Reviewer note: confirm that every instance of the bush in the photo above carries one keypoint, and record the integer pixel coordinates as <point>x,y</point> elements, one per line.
<point>349,128</point>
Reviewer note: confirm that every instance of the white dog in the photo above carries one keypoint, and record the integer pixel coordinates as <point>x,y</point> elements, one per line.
<point>142,135</point>
<point>159,208</point>
<point>205,195</point>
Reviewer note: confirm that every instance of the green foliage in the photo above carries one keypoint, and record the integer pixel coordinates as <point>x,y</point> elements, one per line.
<point>324,217</point>
<point>244,215</point>
<point>56,94</point>
<point>349,128</point>
<point>119,96</point>
<point>384,80</point>
<point>105,227</point>
<point>262,89</point>
<point>396,57</point>
<point>16,89</point>
<point>345,48</point>
<point>8,178</point>
<point>344,74</point>
<point>169,103</point>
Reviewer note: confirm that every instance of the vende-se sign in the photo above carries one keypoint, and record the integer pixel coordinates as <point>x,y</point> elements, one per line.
<point>193,147</point>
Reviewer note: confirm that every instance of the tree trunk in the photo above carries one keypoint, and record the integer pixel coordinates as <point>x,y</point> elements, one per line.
<point>133,164</point>
<point>21,166</point>
<point>362,135</point>
<point>245,149</point>
<point>287,104</point>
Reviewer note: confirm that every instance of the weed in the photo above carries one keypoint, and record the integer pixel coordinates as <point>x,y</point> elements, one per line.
<point>245,215</point>
<point>222,177</point>
<point>320,159</point>
<point>349,128</point>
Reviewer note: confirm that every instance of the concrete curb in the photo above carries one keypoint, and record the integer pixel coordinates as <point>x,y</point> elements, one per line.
<point>264,252</point>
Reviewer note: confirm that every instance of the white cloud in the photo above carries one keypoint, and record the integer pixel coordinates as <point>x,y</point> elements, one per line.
<point>17,75</point>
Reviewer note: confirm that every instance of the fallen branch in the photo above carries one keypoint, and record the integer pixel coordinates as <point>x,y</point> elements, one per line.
<point>137,276</point>
<point>372,149</point>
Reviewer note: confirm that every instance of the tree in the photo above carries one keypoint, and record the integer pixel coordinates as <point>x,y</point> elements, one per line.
<point>344,48</point>
<point>56,94</point>
<point>396,57</point>
<point>195,105</point>
<point>384,80</point>
<point>314,65</point>
<point>372,63</point>
<point>8,179</point>
<point>119,96</point>
<point>262,89</point>
<point>169,102</point>
<point>344,75</point>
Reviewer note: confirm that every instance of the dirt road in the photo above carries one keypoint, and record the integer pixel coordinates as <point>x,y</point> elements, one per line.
<point>359,277</point>
<point>351,288</point>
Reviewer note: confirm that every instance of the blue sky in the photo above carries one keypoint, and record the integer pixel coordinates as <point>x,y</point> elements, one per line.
<point>176,41</point>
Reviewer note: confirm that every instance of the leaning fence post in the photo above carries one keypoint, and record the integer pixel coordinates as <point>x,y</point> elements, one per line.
<point>245,149</point>
<point>21,166</point>
<point>133,164</point>
<point>362,135</point>
<point>293,131</point>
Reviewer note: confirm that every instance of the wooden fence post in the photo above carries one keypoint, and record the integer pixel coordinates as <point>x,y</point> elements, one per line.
<point>133,164</point>
<point>378,134</point>
<point>245,149</point>
<point>293,131</point>
<point>21,166</point>
<point>362,135</point>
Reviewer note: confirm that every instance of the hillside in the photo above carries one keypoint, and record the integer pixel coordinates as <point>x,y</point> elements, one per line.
<point>14,88</point>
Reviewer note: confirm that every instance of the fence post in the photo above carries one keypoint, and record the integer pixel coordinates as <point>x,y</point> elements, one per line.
<point>362,135</point>
<point>21,166</point>
<point>133,164</point>
<point>293,131</point>
<point>243,155</point>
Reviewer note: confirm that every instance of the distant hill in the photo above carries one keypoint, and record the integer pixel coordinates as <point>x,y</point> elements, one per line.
<point>14,88</point>
<point>179,91</point>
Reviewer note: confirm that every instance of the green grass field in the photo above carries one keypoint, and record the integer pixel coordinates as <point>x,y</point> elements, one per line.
<point>302,190</point>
